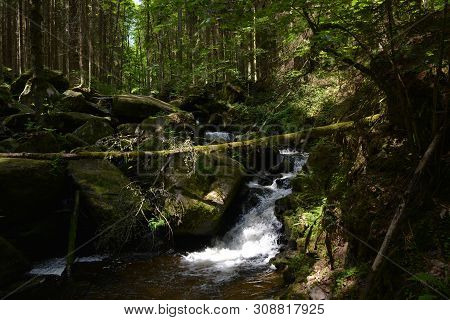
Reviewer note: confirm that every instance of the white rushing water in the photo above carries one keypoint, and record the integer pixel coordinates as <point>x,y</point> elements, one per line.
<point>254,240</point>
<point>56,266</point>
<point>218,136</point>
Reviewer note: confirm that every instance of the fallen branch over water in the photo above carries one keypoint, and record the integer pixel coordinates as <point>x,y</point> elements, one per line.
<point>272,141</point>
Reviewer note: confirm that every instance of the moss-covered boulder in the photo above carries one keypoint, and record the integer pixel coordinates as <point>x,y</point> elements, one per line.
<point>128,128</point>
<point>5,96</point>
<point>55,78</point>
<point>69,121</point>
<point>13,263</point>
<point>19,122</point>
<point>131,108</point>
<point>73,101</point>
<point>29,189</point>
<point>43,141</point>
<point>38,88</point>
<point>92,131</point>
<point>104,193</point>
<point>8,74</point>
<point>8,145</point>
<point>204,193</point>
<point>174,121</point>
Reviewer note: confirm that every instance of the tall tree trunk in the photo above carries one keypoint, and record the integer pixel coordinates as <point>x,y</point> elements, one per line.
<point>36,38</point>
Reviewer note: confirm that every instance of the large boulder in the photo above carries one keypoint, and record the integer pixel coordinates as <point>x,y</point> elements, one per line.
<point>204,193</point>
<point>39,142</point>
<point>13,263</point>
<point>131,108</point>
<point>104,193</point>
<point>67,122</point>
<point>55,78</point>
<point>7,105</point>
<point>19,122</point>
<point>179,121</point>
<point>29,189</point>
<point>8,74</point>
<point>38,88</point>
<point>5,97</point>
<point>73,101</point>
<point>92,131</point>
<point>8,145</point>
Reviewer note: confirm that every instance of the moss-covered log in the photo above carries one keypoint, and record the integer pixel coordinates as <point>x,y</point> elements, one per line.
<point>288,139</point>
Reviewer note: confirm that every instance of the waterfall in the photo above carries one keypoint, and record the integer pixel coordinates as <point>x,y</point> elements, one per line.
<point>254,240</point>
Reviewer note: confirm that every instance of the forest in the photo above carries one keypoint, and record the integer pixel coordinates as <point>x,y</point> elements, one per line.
<point>240,149</point>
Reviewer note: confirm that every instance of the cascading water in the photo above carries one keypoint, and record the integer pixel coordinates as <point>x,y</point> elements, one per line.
<point>254,240</point>
<point>237,266</point>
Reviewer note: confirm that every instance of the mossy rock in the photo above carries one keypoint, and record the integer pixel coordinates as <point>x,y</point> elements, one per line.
<point>206,193</point>
<point>73,101</point>
<point>55,78</point>
<point>71,142</point>
<point>8,145</point>
<point>128,128</point>
<point>8,74</point>
<point>103,190</point>
<point>93,130</point>
<point>19,122</point>
<point>29,189</point>
<point>39,142</point>
<point>13,263</point>
<point>199,218</point>
<point>38,88</point>
<point>324,158</point>
<point>5,96</point>
<point>131,108</point>
<point>69,121</point>
<point>175,121</point>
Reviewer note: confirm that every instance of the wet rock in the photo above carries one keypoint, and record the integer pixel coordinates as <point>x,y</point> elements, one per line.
<point>92,131</point>
<point>29,189</point>
<point>13,263</point>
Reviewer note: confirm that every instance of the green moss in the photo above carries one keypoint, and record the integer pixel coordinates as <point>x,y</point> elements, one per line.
<point>103,189</point>
<point>92,131</point>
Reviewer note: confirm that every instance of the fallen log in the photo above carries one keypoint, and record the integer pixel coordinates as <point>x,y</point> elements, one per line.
<point>288,139</point>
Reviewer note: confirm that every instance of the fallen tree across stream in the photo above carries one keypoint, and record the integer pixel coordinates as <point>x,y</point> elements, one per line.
<point>288,139</point>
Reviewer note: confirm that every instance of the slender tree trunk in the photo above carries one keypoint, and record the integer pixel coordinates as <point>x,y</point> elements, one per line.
<point>36,38</point>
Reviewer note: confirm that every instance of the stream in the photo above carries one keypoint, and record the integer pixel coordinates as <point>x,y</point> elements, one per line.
<point>236,266</point>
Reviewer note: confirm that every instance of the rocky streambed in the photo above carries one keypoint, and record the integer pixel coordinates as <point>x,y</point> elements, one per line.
<point>189,202</point>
